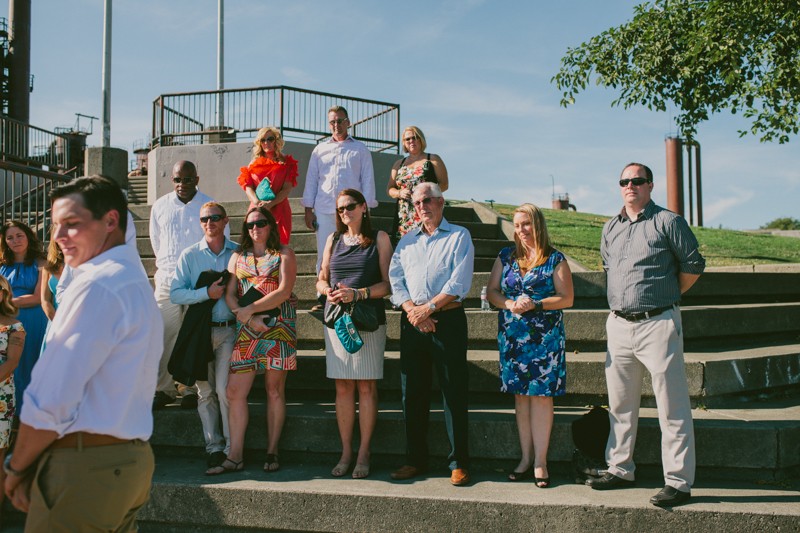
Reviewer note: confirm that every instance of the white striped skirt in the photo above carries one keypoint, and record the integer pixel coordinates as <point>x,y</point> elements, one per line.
<point>367,363</point>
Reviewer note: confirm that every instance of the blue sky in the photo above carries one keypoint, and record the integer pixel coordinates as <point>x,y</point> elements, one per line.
<point>473,74</point>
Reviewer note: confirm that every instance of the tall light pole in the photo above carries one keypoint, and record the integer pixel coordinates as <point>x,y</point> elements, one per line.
<point>220,61</point>
<point>106,74</point>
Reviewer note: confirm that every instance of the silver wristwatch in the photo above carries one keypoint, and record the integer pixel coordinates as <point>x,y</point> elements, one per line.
<point>8,469</point>
<point>432,307</point>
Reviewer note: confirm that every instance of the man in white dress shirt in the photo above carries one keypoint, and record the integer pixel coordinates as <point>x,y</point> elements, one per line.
<point>339,163</point>
<point>82,461</point>
<point>174,226</point>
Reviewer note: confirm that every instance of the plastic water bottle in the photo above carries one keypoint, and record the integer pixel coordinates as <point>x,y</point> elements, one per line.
<point>484,300</point>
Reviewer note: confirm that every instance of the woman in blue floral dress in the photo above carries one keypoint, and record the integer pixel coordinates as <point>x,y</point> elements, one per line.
<point>530,283</point>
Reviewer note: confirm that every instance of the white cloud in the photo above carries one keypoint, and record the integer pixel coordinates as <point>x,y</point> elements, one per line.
<point>712,211</point>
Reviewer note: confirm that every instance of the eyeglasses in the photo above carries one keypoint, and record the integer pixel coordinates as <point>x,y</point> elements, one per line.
<point>212,218</point>
<point>636,181</point>
<point>348,207</point>
<point>268,140</point>
<point>423,201</point>
<point>256,224</point>
<point>336,121</point>
<point>185,179</point>
<point>412,138</point>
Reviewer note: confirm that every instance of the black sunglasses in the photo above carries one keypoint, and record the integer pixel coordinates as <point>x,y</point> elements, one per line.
<point>185,179</point>
<point>348,207</point>
<point>268,140</point>
<point>256,224</point>
<point>636,181</point>
<point>336,121</point>
<point>412,138</point>
<point>212,218</point>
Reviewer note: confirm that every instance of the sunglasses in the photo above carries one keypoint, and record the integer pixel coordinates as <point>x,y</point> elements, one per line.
<point>256,224</point>
<point>348,207</point>
<point>268,140</point>
<point>187,179</point>
<point>424,201</point>
<point>409,139</point>
<point>336,121</point>
<point>212,218</point>
<point>636,181</point>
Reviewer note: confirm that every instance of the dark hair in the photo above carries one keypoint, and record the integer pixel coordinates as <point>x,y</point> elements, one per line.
<point>99,194</point>
<point>34,250</point>
<point>647,172</point>
<point>367,233</point>
<point>273,239</point>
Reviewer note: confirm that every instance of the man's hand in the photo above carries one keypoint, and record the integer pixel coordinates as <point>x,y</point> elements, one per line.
<point>216,290</point>
<point>311,219</point>
<point>18,490</point>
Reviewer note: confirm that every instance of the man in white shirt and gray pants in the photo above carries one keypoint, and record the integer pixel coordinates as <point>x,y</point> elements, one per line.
<point>338,163</point>
<point>82,461</point>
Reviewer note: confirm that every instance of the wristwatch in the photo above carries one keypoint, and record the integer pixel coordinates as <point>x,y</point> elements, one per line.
<point>8,469</point>
<point>432,307</point>
<point>537,305</point>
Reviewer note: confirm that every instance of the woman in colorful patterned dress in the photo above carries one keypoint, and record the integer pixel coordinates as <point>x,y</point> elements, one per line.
<point>20,263</point>
<point>264,343</point>
<point>12,341</point>
<point>281,171</point>
<point>407,173</point>
<point>530,283</point>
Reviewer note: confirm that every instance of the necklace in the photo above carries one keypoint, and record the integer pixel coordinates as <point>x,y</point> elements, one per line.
<point>351,240</point>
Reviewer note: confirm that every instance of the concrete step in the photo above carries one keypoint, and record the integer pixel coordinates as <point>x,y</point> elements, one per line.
<point>302,496</point>
<point>761,442</point>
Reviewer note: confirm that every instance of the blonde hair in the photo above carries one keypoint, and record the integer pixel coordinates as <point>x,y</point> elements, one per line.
<point>55,256</point>
<point>7,307</point>
<point>213,205</point>
<point>262,134</point>
<point>541,239</point>
<point>418,133</point>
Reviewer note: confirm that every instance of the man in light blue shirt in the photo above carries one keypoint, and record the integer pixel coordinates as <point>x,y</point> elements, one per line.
<point>431,273</point>
<point>211,253</point>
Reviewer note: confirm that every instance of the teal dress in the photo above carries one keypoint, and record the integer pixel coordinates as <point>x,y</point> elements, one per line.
<point>23,279</point>
<point>52,283</point>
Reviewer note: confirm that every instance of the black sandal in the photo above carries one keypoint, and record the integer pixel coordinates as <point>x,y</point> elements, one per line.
<point>272,459</point>
<point>521,476</point>
<point>215,471</point>
<point>544,480</point>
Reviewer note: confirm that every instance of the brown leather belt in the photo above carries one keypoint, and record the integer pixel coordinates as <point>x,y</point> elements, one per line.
<point>86,440</point>
<point>448,307</point>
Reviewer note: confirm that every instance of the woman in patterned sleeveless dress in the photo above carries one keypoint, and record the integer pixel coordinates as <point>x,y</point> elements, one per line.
<point>530,283</point>
<point>264,343</point>
<point>12,341</point>
<point>355,267</point>
<point>407,173</point>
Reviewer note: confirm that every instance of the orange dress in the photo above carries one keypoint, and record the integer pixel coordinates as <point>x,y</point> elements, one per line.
<point>277,173</point>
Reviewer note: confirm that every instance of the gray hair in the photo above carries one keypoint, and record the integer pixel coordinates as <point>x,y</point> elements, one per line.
<point>427,186</point>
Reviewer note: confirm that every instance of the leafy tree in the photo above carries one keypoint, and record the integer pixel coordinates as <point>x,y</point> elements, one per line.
<point>702,56</point>
<point>782,223</point>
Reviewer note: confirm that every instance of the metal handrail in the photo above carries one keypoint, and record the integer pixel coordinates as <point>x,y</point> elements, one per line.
<point>301,112</point>
<point>22,143</point>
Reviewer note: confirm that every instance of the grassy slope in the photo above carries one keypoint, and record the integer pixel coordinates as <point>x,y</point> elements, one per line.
<point>578,235</point>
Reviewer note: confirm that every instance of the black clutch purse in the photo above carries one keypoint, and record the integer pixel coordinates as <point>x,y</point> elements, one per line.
<point>253,295</point>
<point>364,316</point>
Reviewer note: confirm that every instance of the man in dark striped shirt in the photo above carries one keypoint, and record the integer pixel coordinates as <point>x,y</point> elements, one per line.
<point>651,257</point>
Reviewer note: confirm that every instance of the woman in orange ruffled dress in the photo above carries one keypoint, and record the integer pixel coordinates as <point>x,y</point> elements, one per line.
<point>281,171</point>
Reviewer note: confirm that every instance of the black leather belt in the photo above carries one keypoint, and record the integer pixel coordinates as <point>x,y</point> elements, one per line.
<point>225,324</point>
<point>636,317</point>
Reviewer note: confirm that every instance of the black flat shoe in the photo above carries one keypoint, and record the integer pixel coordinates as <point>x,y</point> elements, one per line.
<point>521,476</point>
<point>670,497</point>
<point>609,481</point>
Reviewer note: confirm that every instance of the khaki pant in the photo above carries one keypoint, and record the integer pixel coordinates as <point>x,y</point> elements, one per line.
<point>94,489</point>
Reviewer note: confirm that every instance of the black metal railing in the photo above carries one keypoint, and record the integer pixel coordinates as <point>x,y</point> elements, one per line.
<point>28,145</point>
<point>232,115</point>
<point>25,195</point>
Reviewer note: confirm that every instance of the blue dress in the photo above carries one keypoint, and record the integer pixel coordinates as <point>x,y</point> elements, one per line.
<point>52,284</point>
<point>22,279</point>
<point>531,345</point>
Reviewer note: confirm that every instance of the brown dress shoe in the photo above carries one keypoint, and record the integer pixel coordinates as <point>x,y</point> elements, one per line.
<point>459,477</point>
<point>406,472</point>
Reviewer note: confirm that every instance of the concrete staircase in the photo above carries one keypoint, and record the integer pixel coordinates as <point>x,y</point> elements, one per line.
<point>743,368</point>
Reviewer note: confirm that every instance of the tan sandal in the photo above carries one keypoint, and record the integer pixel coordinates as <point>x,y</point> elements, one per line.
<point>360,471</point>
<point>340,469</point>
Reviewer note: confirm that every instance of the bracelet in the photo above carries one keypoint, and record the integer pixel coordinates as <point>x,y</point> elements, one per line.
<point>8,469</point>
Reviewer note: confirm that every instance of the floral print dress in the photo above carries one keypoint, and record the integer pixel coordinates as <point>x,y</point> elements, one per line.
<point>7,387</point>
<point>408,178</point>
<point>531,345</point>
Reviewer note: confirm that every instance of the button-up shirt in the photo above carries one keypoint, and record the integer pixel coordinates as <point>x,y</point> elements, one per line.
<point>643,257</point>
<point>193,261</point>
<point>174,226</point>
<point>335,166</point>
<point>426,265</point>
<point>98,370</point>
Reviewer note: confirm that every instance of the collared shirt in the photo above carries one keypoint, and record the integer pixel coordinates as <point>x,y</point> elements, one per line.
<point>335,166</point>
<point>174,226</point>
<point>194,260</point>
<point>643,258</point>
<point>426,265</point>
<point>98,370</point>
